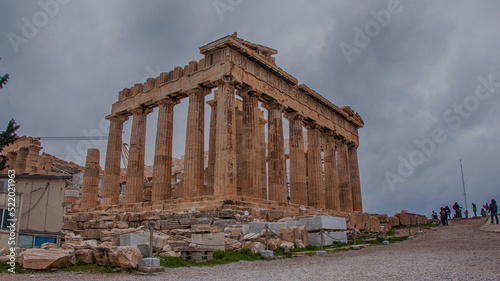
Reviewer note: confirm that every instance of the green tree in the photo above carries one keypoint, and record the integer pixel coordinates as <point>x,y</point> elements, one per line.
<point>3,79</point>
<point>7,137</point>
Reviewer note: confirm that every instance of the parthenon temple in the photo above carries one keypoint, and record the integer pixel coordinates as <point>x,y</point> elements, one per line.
<point>244,165</point>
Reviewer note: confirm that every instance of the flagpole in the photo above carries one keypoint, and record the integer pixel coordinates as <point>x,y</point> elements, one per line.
<point>463,184</point>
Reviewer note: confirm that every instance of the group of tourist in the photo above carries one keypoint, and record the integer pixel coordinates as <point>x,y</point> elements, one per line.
<point>445,212</point>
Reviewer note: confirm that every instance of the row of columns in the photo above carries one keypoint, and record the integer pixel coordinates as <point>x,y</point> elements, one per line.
<point>25,159</point>
<point>336,187</point>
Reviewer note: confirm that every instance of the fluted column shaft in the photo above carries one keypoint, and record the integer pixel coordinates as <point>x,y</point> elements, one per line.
<point>32,158</point>
<point>225,147</point>
<point>332,195</point>
<point>357,204</point>
<point>239,146</point>
<point>263,157</point>
<point>90,186</point>
<point>162,173</point>
<point>251,166</point>
<point>11,163</point>
<point>344,177</point>
<point>194,157</point>
<point>135,169</point>
<point>315,171</point>
<point>277,165</point>
<point>22,155</point>
<point>111,184</point>
<point>298,177</point>
<point>211,146</point>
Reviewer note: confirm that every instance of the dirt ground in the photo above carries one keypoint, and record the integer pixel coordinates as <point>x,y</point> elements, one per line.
<point>459,251</point>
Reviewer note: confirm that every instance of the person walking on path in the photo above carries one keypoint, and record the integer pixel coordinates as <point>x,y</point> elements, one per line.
<point>474,209</point>
<point>448,212</point>
<point>444,216</point>
<point>494,210</point>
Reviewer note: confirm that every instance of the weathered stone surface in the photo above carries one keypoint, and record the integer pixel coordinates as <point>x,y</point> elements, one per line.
<point>374,224</point>
<point>41,259</point>
<point>48,246</point>
<point>118,256</point>
<point>324,222</point>
<point>328,238</point>
<point>287,245</point>
<point>210,240</point>
<point>232,244</point>
<point>133,239</point>
<point>70,225</point>
<point>85,256</point>
<point>256,227</point>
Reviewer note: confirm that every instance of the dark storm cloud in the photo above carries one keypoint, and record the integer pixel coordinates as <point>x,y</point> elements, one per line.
<point>423,62</point>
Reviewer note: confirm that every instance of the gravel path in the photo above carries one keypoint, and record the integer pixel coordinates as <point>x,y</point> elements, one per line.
<point>459,251</point>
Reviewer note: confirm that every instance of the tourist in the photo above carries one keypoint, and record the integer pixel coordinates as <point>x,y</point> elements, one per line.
<point>466,213</point>
<point>494,210</point>
<point>456,207</point>
<point>434,215</point>
<point>487,208</point>
<point>444,217</point>
<point>448,211</point>
<point>483,212</point>
<point>474,209</point>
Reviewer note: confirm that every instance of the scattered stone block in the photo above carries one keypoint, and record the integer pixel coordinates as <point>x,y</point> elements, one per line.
<point>196,254</point>
<point>328,236</point>
<point>324,222</point>
<point>210,240</point>
<point>133,239</point>
<point>41,259</point>
<point>85,256</point>
<point>256,227</point>
<point>144,249</point>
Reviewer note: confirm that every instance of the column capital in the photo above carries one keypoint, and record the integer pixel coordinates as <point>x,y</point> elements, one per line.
<point>352,144</point>
<point>212,103</point>
<point>312,125</point>
<point>273,105</point>
<point>141,110</point>
<point>226,79</point>
<point>169,101</point>
<point>117,117</point>
<point>248,92</point>
<point>293,116</point>
<point>197,90</point>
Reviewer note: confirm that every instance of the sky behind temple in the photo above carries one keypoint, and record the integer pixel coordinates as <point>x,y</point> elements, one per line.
<point>423,75</point>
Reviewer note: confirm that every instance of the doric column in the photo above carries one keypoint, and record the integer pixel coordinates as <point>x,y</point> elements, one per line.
<point>315,171</point>
<point>357,204</point>
<point>193,184</point>
<point>251,147</point>
<point>162,173</point>
<point>298,177</point>
<point>44,165</point>
<point>332,194</point>
<point>211,145</point>
<point>344,177</point>
<point>90,187</point>
<point>32,158</point>
<point>263,156</point>
<point>225,147</point>
<point>239,145</point>
<point>22,155</point>
<point>111,184</point>
<point>277,165</point>
<point>135,169</point>
<point>11,163</point>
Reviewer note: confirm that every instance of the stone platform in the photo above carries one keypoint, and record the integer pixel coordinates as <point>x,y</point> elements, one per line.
<point>256,207</point>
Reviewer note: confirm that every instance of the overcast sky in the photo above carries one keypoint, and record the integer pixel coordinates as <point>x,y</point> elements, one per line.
<point>422,74</point>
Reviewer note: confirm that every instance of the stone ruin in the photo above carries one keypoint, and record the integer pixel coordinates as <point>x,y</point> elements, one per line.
<point>243,169</point>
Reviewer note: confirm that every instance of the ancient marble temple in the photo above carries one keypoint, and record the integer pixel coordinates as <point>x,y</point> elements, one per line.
<point>244,164</point>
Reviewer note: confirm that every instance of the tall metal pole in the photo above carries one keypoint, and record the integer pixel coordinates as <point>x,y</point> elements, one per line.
<point>463,183</point>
